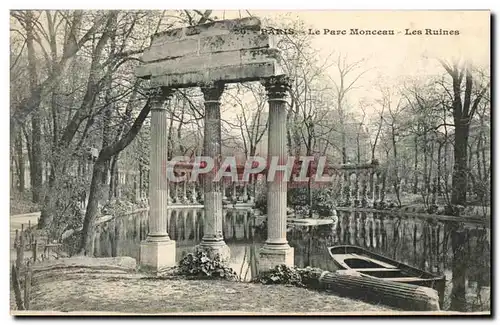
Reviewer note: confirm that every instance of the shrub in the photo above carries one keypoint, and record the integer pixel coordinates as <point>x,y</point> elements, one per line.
<point>324,202</point>
<point>119,207</point>
<point>261,197</point>
<point>280,274</point>
<point>199,265</point>
<point>21,203</point>
<point>310,276</point>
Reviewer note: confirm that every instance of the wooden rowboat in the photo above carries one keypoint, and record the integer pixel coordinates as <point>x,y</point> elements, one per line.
<point>373,265</point>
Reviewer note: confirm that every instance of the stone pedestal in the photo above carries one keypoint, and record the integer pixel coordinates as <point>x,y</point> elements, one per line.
<point>157,255</point>
<point>213,240</point>
<point>276,249</point>
<point>269,258</point>
<point>158,250</point>
<point>216,249</point>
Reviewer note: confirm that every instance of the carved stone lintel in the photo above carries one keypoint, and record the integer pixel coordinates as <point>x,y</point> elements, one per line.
<point>212,92</point>
<point>277,87</point>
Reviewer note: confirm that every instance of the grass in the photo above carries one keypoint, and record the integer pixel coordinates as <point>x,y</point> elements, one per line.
<point>135,293</point>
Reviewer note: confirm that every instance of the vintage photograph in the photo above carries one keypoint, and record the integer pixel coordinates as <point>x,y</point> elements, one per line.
<point>250,162</point>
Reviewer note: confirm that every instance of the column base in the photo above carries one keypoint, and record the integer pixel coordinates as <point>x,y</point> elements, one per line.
<point>214,249</point>
<point>156,255</point>
<point>269,258</point>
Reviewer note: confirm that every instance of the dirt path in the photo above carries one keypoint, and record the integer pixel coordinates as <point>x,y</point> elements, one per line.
<point>134,293</point>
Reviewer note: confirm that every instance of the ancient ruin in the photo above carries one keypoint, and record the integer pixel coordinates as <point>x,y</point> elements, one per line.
<point>209,56</point>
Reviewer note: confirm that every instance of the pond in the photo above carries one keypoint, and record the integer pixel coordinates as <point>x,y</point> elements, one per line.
<point>416,242</point>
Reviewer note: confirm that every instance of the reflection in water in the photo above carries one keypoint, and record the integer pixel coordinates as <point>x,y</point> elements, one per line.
<point>425,244</point>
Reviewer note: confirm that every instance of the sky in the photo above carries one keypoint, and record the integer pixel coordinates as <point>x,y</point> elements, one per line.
<point>389,60</point>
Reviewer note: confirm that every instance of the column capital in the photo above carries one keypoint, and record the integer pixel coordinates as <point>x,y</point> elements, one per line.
<point>277,86</point>
<point>159,95</point>
<point>212,92</point>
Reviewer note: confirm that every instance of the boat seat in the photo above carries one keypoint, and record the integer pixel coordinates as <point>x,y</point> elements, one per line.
<point>376,270</point>
<point>403,279</point>
<point>343,257</point>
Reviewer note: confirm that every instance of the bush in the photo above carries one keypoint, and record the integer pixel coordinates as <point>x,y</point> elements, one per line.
<point>21,203</point>
<point>261,196</point>
<point>119,207</point>
<point>310,276</point>
<point>199,265</point>
<point>324,202</point>
<point>71,245</point>
<point>280,274</point>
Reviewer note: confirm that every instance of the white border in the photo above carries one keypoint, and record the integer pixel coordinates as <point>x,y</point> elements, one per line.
<point>148,4</point>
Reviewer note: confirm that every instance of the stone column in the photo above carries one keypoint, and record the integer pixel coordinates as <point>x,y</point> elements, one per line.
<point>341,183</point>
<point>169,197</point>
<point>194,198</point>
<point>234,196</point>
<point>184,192</point>
<point>185,224</point>
<point>224,197</point>
<point>276,249</point>
<point>375,193</point>
<point>158,250</point>
<point>365,178</point>
<point>353,188</point>
<point>193,223</point>
<point>176,191</point>
<point>169,218</point>
<point>357,187</point>
<point>213,239</point>
<point>245,192</point>
<point>347,188</point>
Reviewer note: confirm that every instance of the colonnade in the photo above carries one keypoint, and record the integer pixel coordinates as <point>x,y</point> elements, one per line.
<point>158,250</point>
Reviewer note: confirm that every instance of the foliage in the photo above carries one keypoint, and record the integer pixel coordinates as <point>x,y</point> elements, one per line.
<point>323,201</point>
<point>261,196</point>
<point>200,265</point>
<point>21,203</point>
<point>68,213</point>
<point>297,197</point>
<point>71,245</point>
<point>119,207</point>
<point>310,275</point>
<point>282,274</point>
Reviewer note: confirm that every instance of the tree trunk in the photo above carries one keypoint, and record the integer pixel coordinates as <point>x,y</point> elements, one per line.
<point>113,182</point>
<point>92,208</point>
<point>36,163</point>
<point>170,141</point>
<point>288,134</point>
<point>358,149</point>
<point>478,156</point>
<point>141,182</point>
<point>99,166</point>
<point>20,161</point>
<point>426,171</point>
<point>344,149</point>
<point>459,267</point>
<point>415,168</point>
<point>396,167</point>
<point>459,179</point>
<point>439,170</point>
